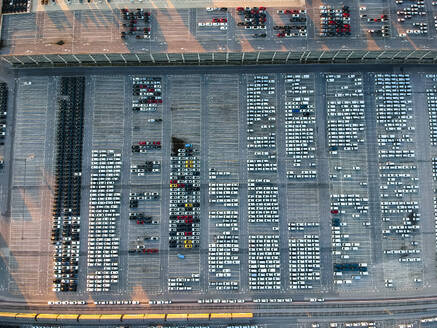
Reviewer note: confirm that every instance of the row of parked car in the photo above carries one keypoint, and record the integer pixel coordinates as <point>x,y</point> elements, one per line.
<point>304,255</point>
<point>263,202</point>
<point>252,18</point>
<point>300,126</point>
<point>184,211</point>
<point>66,207</point>
<point>148,167</point>
<point>261,119</point>
<point>143,205</point>
<point>147,94</point>
<point>377,22</point>
<point>264,262</point>
<point>16,6</point>
<point>399,188</point>
<point>297,26</point>
<point>335,22</point>
<point>134,198</point>
<point>145,146</point>
<point>431,98</point>
<point>224,249</point>
<point>3,111</point>
<point>104,214</point>
<point>136,23</point>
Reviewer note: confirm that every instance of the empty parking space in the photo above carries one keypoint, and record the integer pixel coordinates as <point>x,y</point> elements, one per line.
<point>252,23</point>
<point>96,25</point>
<point>57,25</point>
<point>211,24</point>
<point>375,20</point>
<point>19,31</point>
<point>171,24</point>
<point>411,18</point>
<point>108,113</point>
<point>30,198</point>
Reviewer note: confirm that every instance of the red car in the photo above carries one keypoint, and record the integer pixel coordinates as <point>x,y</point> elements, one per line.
<point>334,211</point>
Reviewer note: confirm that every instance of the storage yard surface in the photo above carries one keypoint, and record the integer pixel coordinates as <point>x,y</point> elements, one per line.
<point>306,189</point>
<point>186,30</point>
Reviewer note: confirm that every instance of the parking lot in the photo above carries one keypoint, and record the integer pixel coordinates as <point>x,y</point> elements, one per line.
<point>31,185</point>
<point>364,24</point>
<point>187,179</point>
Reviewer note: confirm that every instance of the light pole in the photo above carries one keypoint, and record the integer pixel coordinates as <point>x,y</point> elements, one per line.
<point>31,156</point>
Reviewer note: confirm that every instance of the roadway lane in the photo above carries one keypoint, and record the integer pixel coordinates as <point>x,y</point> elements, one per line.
<point>373,177</point>
<point>165,179</point>
<point>323,183</point>
<point>125,189</point>
<point>85,181</point>
<point>424,170</point>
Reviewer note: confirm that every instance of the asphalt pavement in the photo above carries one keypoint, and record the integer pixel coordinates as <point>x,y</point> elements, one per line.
<point>201,87</point>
